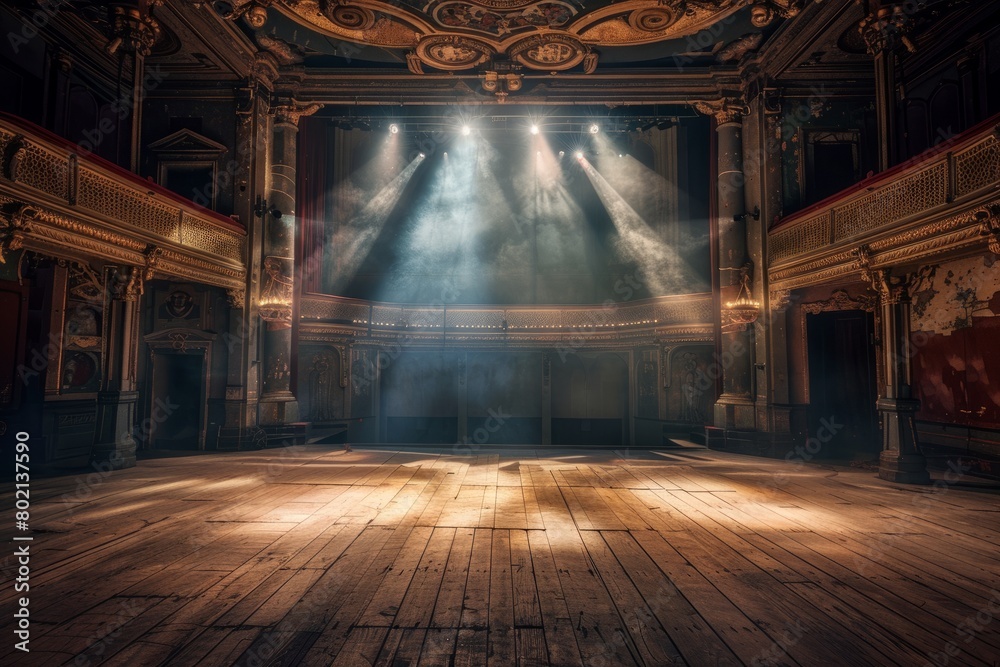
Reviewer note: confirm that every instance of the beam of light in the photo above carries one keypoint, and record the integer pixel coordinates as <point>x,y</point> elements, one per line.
<point>663,267</point>
<point>347,197</point>
<point>354,240</point>
<point>651,196</point>
<point>466,130</point>
<point>462,227</point>
<point>595,128</point>
<point>394,129</point>
<point>534,129</point>
<point>553,224</point>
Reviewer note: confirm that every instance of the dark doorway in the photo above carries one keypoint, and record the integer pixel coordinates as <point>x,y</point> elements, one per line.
<point>175,413</point>
<point>842,391</point>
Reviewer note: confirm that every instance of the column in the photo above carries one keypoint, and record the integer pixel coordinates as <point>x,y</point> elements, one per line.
<point>134,31</point>
<point>884,30</point>
<point>249,182</point>
<point>114,442</point>
<point>734,409</point>
<point>901,460</point>
<point>278,404</point>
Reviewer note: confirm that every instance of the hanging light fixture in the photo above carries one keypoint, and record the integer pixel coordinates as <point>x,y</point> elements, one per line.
<point>744,309</point>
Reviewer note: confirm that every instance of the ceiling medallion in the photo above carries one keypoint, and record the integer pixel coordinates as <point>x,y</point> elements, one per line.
<point>453,52</point>
<point>553,52</point>
<point>653,19</point>
<point>347,16</point>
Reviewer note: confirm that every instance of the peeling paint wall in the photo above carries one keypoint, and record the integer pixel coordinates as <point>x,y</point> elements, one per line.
<point>955,329</point>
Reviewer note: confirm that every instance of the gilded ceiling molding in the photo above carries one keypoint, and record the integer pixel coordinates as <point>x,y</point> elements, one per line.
<point>543,35</point>
<point>254,12</point>
<point>550,52</point>
<point>453,52</point>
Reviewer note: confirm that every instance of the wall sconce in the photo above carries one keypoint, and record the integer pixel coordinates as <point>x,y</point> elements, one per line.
<point>261,208</point>
<point>743,310</point>
<point>275,304</point>
<point>741,217</point>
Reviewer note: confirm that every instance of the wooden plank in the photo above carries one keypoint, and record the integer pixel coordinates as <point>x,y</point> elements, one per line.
<point>694,637</point>
<point>652,644</point>
<point>417,606</point>
<point>501,607</point>
<point>475,609</point>
<point>451,594</point>
<point>560,639</point>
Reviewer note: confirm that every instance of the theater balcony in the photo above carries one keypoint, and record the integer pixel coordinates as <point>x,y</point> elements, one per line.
<point>901,269</point>
<point>61,201</point>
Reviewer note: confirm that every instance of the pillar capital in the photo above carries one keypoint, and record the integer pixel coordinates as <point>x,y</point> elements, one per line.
<point>133,28</point>
<point>725,111</point>
<point>287,114</point>
<point>886,29</point>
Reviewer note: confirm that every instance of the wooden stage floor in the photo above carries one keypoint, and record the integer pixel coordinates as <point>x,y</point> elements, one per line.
<point>316,556</point>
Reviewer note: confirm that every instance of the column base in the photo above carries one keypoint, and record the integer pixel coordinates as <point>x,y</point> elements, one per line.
<point>281,408</point>
<point>113,458</point>
<point>903,468</point>
<point>114,446</point>
<point>900,460</point>
<point>732,412</point>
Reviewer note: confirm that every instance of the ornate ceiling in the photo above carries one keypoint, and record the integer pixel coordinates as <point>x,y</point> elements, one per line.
<point>540,35</point>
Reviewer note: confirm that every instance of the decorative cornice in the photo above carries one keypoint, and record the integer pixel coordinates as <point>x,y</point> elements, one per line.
<point>840,300</point>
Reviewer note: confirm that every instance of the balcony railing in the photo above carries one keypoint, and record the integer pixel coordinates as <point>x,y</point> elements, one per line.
<point>897,213</point>
<point>78,204</point>
<point>663,317</point>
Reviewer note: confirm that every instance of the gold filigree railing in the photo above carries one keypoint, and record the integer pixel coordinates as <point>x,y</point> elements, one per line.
<point>936,203</point>
<point>687,315</point>
<point>59,200</point>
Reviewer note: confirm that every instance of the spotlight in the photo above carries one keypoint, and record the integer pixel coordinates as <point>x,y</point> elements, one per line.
<point>466,130</point>
<point>562,153</point>
<point>620,155</point>
<point>534,129</point>
<point>422,155</point>
<point>594,129</point>
<point>394,129</point>
<point>579,155</point>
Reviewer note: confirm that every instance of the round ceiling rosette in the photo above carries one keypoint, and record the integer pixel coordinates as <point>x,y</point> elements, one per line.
<point>550,52</point>
<point>653,19</point>
<point>453,52</point>
<point>348,16</point>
